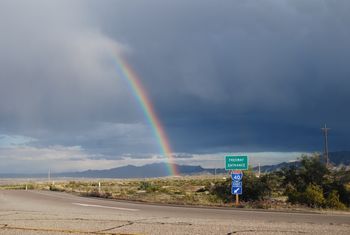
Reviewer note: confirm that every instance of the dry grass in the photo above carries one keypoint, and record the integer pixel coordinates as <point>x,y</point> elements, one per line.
<point>192,190</point>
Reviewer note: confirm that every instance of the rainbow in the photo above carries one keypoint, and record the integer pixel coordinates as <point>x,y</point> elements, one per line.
<point>125,72</point>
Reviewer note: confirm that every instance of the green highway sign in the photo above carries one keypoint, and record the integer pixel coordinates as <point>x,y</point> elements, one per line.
<point>236,163</point>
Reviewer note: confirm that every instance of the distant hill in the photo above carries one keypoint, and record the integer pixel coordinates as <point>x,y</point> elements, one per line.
<point>161,169</point>
<point>271,168</point>
<point>129,171</point>
<point>341,158</point>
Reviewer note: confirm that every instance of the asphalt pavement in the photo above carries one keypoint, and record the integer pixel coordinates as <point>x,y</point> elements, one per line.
<point>45,212</point>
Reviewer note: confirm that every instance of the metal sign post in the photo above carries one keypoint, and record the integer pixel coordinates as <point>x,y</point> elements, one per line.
<point>235,165</point>
<point>236,189</point>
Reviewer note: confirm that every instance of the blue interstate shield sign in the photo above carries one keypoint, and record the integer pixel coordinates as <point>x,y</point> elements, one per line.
<point>237,176</point>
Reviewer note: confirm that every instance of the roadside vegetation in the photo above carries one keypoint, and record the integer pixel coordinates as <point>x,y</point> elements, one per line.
<point>314,185</point>
<point>311,185</point>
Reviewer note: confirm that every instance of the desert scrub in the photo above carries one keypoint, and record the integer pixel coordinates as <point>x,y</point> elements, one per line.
<point>57,188</point>
<point>13,187</point>
<point>333,201</point>
<point>148,186</point>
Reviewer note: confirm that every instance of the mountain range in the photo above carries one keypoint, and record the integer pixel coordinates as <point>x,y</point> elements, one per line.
<point>161,169</point>
<point>130,171</point>
<point>337,159</point>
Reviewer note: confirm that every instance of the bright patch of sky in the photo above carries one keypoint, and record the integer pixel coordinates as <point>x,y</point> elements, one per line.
<point>13,141</point>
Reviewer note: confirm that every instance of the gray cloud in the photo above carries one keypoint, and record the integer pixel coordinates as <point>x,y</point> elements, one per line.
<point>54,70</point>
<point>223,76</point>
<point>250,74</point>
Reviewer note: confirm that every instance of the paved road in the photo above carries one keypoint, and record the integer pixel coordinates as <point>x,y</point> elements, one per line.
<point>42,212</point>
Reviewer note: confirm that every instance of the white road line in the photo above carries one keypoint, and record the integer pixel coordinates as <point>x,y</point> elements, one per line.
<point>107,207</point>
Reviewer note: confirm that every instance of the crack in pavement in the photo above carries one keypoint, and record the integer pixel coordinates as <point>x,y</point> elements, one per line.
<point>170,223</point>
<point>50,230</point>
<point>129,222</point>
<point>61,219</point>
<point>264,230</point>
<point>116,227</point>
<point>144,221</point>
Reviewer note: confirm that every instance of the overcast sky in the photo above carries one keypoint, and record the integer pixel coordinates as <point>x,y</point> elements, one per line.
<point>255,77</point>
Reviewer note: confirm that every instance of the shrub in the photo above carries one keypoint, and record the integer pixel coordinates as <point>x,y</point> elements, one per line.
<point>312,182</point>
<point>30,186</point>
<point>222,190</point>
<point>293,195</point>
<point>313,196</point>
<point>93,193</point>
<point>148,186</point>
<point>343,192</point>
<point>254,188</point>
<point>55,188</point>
<point>333,201</point>
<point>313,170</point>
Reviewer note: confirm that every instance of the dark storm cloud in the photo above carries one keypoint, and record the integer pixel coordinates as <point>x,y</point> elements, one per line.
<point>247,75</point>
<point>223,75</point>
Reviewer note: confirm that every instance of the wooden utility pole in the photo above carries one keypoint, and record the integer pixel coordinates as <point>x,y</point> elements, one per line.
<point>325,153</point>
